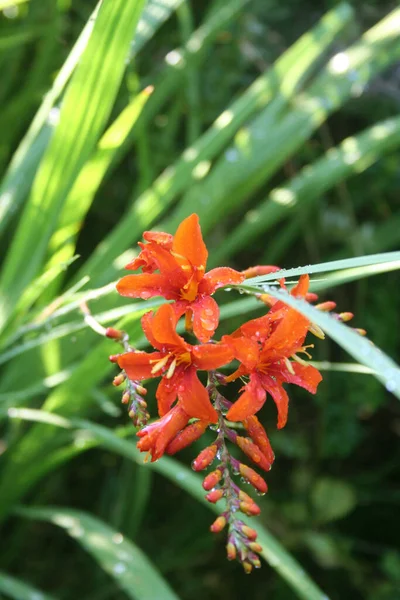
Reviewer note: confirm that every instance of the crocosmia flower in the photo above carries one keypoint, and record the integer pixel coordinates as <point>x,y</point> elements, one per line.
<point>174,267</point>
<point>264,346</point>
<point>177,362</point>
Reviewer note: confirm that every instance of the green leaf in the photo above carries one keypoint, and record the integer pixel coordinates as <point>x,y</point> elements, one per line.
<point>293,66</point>
<point>332,499</point>
<point>20,590</point>
<point>119,557</point>
<point>85,109</point>
<point>353,156</point>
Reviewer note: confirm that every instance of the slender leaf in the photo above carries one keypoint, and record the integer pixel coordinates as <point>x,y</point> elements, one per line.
<point>20,590</point>
<point>84,112</point>
<point>119,557</point>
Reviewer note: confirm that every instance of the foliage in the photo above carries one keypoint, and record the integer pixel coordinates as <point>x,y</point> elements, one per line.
<point>279,127</point>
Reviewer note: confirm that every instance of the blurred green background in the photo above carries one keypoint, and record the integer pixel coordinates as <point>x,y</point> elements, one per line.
<point>279,126</point>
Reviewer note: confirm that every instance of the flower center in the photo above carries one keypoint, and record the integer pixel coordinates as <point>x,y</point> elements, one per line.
<point>184,358</point>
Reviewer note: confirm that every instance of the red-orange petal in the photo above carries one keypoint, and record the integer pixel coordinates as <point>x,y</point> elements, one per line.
<point>138,365</point>
<point>166,394</point>
<point>205,318</point>
<point>245,350</point>
<point>279,396</point>
<point>156,436</point>
<point>163,330</point>
<point>287,338</point>
<point>249,402</point>
<point>146,285</point>
<point>306,376</point>
<point>258,329</point>
<point>194,397</point>
<point>219,277</point>
<point>207,357</point>
<point>165,240</point>
<point>188,242</point>
<point>187,436</point>
<point>301,288</point>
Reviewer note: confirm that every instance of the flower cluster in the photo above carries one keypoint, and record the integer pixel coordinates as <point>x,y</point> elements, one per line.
<point>268,352</point>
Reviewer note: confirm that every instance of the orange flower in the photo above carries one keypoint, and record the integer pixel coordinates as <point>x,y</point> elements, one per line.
<point>181,263</point>
<point>178,362</point>
<point>264,346</point>
<point>156,436</point>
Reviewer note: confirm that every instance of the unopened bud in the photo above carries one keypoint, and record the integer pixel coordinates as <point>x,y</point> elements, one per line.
<point>255,561</point>
<point>215,495</point>
<point>248,532</point>
<point>316,330</point>
<point>248,567</point>
<point>212,479</point>
<point>259,436</point>
<point>326,306</point>
<point>267,299</point>
<point>253,452</point>
<point>260,270</point>
<point>187,436</point>
<point>119,379</point>
<point>141,390</point>
<point>126,396</point>
<point>255,547</point>
<point>361,331</point>
<point>218,525</point>
<point>205,458</point>
<point>114,358</point>
<point>311,297</point>
<point>231,551</point>
<point>251,510</point>
<point>254,478</point>
<point>345,316</point>
<point>114,334</point>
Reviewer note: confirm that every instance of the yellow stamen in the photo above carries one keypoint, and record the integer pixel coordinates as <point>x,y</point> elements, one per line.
<point>159,364</point>
<point>289,366</point>
<point>300,360</point>
<point>171,369</point>
<point>189,321</point>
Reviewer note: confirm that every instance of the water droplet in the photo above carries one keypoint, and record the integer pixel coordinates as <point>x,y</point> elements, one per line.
<point>118,538</point>
<point>209,312</point>
<point>119,568</point>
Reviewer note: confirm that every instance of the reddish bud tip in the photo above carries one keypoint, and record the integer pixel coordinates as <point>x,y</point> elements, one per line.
<point>114,334</point>
<point>205,458</point>
<point>255,547</point>
<point>259,437</point>
<point>215,495</point>
<point>361,331</point>
<point>311,297</point>
<point>212,479</point>
<point>114,358</point>
<point>141,390</point>
<point>187,436</point>
<point>218,525</point>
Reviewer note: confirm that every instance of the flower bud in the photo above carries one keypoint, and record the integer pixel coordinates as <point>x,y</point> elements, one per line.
<point>259,270</point>
<point>345,316</point>
<point>212,479</point>
<point>251,510</point>
<point>231,551</point>
<point>248,532</point>
<point>205,458</point>
<point>187,436</point>
<point>114,334</point>
<point>259,436</point>
<point>218,524</point>
<point>248,567</point>
<point>311,297</point>
<point>255,547</point>
<point>119,379</point>
<point>254,478</point>
<point>114,358</point>
<point>326,306</point>
<point>126,396</point>
<point>215,495</point>
<point>253,452</point>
